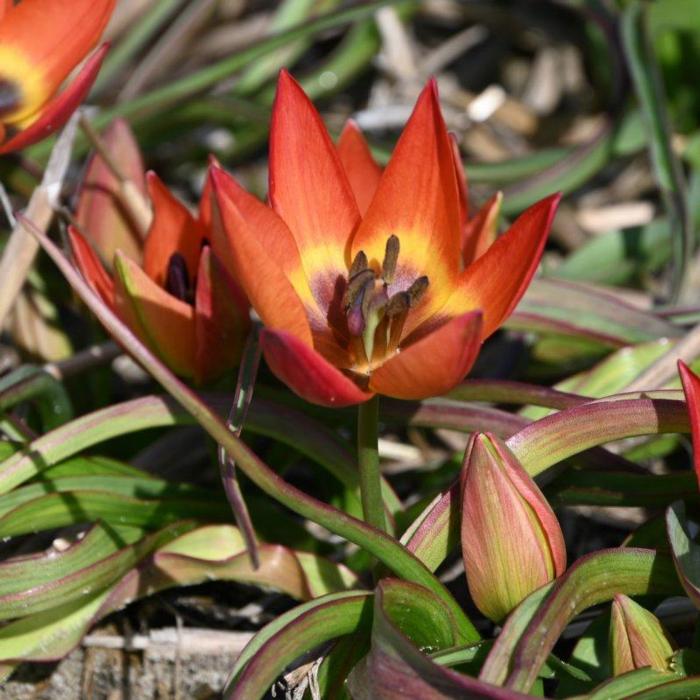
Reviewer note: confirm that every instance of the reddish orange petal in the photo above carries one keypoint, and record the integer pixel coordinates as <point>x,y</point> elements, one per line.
<point>174,230</point>
<point>498,279</point>
<point>206,198</point>
<point>307,373</point>
<point>56,112</point>
<point>691,389</point>
<point>253,266</point>
<point>418,201</point>
<point>309,189</point>
<point>433,365</point>
<point>272,233</point>
<point>222,320</point>
<point>163,322</point>
<point>481,231</point>
<point>462,184</point>
<point>360,167</point>
<point>100,213</point>
<point>51,36</point>
<point>90,266</point>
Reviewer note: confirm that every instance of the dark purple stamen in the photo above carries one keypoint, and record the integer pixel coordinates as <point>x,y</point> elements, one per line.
<point>178,279</point>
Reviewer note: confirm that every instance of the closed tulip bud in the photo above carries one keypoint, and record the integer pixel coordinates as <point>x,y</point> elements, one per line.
<point>637,638</point>
<point>512,543</point>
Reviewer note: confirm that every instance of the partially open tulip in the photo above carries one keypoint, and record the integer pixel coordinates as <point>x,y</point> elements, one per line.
<point>178,298</point>
<point>637,638</point>
<point>41,42</point>
<point>512,543</point>
<point>106,208</point>
<point>357,274</point>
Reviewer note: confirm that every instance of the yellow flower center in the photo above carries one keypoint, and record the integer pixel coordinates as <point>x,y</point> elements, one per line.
<point>23,90</point>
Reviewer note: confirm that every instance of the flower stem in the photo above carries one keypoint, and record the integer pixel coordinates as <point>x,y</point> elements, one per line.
<point>368,460</point>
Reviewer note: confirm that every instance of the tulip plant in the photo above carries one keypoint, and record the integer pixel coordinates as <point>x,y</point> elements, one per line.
<point>357,299</point>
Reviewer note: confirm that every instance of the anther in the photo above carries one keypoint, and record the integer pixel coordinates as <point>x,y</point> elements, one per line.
<point>10,97</point>
<point>177,281</point>
<point>398,304</point>
<point>357,284</point>
<point>391,258</point>
<point>417,290</point>
<point>359,264</point>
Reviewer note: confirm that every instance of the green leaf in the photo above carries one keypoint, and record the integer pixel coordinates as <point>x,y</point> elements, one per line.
<point>292,635</point>
<point>685,552</point>
<point>647,81</point>
<point>647,684</point>
<point>40,582</point>
<point>29,383</point>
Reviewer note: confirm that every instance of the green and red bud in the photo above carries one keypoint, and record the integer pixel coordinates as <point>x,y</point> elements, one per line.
<point>512,543</point>
<point>637,638</point>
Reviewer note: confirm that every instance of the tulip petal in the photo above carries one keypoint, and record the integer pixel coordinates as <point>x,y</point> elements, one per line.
<point>275,239</point>
<point>173,230</point>
<point>222,320</point>
<point>57,111</point>
<point>481,231</point>
<point>272,233</point>
<point>90,267</point>
<point>163,322</point>
<point>434,364</point>
<point>51,37</point>
<point>360,167</point>
<point>691,389</point>
<point>251,264</point>
<point>309,189</point>
<point>462,184</point>
<point>497,280</point>
<point>100,212</point>
<point>307,372</point>
<point>418,200</point>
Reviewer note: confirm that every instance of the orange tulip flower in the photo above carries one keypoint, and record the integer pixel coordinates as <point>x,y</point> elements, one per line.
<point>180,300</point>
<point>41,42</point>
<point>359,276</point>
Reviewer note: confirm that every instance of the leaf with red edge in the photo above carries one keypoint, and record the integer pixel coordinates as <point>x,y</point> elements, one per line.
<point>407,623</point>
<point>518,653</point>
<point>593,313</point>
<point>203,554</point>
<point>292,635</point>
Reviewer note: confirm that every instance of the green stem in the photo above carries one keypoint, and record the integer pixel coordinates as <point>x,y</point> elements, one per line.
<point>368,461</point>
